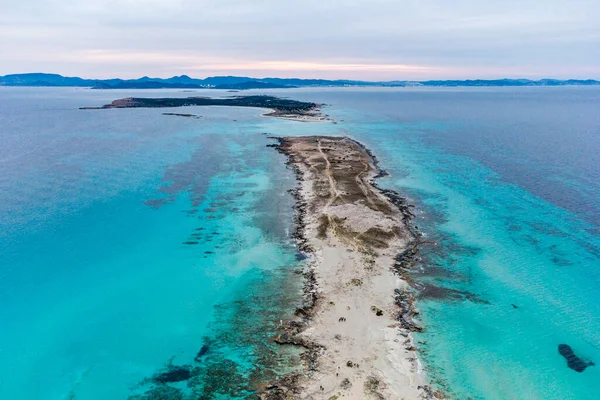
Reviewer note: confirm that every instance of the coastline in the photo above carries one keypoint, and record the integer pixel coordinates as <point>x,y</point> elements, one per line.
<point>358,311</point>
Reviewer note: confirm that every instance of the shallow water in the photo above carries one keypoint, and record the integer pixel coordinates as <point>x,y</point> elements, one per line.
<point>99,292</point>
<point>129,240</point>
<point>506,182</point>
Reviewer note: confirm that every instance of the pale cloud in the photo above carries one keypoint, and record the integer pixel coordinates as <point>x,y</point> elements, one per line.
<point>377,39</point>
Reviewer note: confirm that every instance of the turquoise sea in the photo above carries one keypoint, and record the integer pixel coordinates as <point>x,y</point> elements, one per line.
<point>132,242</point>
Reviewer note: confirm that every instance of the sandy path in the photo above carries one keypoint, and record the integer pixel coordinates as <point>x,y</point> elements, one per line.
<point>335,194</point>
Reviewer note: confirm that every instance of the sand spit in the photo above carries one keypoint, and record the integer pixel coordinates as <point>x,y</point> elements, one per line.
<point>357,318</point>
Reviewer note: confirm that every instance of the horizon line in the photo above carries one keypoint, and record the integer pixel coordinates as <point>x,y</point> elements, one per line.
<point>301,78</point>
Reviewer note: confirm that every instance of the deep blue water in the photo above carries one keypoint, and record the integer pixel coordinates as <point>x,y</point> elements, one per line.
<point>98,291</point>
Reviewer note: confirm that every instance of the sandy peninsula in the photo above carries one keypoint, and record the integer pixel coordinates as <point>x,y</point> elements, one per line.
<point>358,315</point>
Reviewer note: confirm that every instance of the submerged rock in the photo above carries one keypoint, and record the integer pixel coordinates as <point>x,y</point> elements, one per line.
<point>160,393</point>
<point>300,256</point>
<point>173,373</point>
<point>431,291</point>
<point>573,362</point>
<point>202,352</point>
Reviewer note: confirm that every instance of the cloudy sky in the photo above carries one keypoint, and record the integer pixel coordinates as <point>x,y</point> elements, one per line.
<point>358,39</point>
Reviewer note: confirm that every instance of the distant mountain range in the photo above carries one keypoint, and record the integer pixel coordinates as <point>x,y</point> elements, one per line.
<point>241,83</point>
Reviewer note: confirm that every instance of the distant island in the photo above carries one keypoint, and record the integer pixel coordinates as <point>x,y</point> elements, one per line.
<point>242,83</point>
<point>251,84</point>
<point>281,108</point>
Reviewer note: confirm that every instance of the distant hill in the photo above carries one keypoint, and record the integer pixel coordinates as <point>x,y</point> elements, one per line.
<point>512,82</point>
<point>146,85</point>
<point>42,80</point>
<point>241,82</point>
<point>253,84</point>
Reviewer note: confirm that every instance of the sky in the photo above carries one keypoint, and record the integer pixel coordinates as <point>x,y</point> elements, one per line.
<point>346,39</point>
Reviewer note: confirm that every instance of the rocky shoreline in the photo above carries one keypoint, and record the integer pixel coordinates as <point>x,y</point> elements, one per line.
<point>351,230</point>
